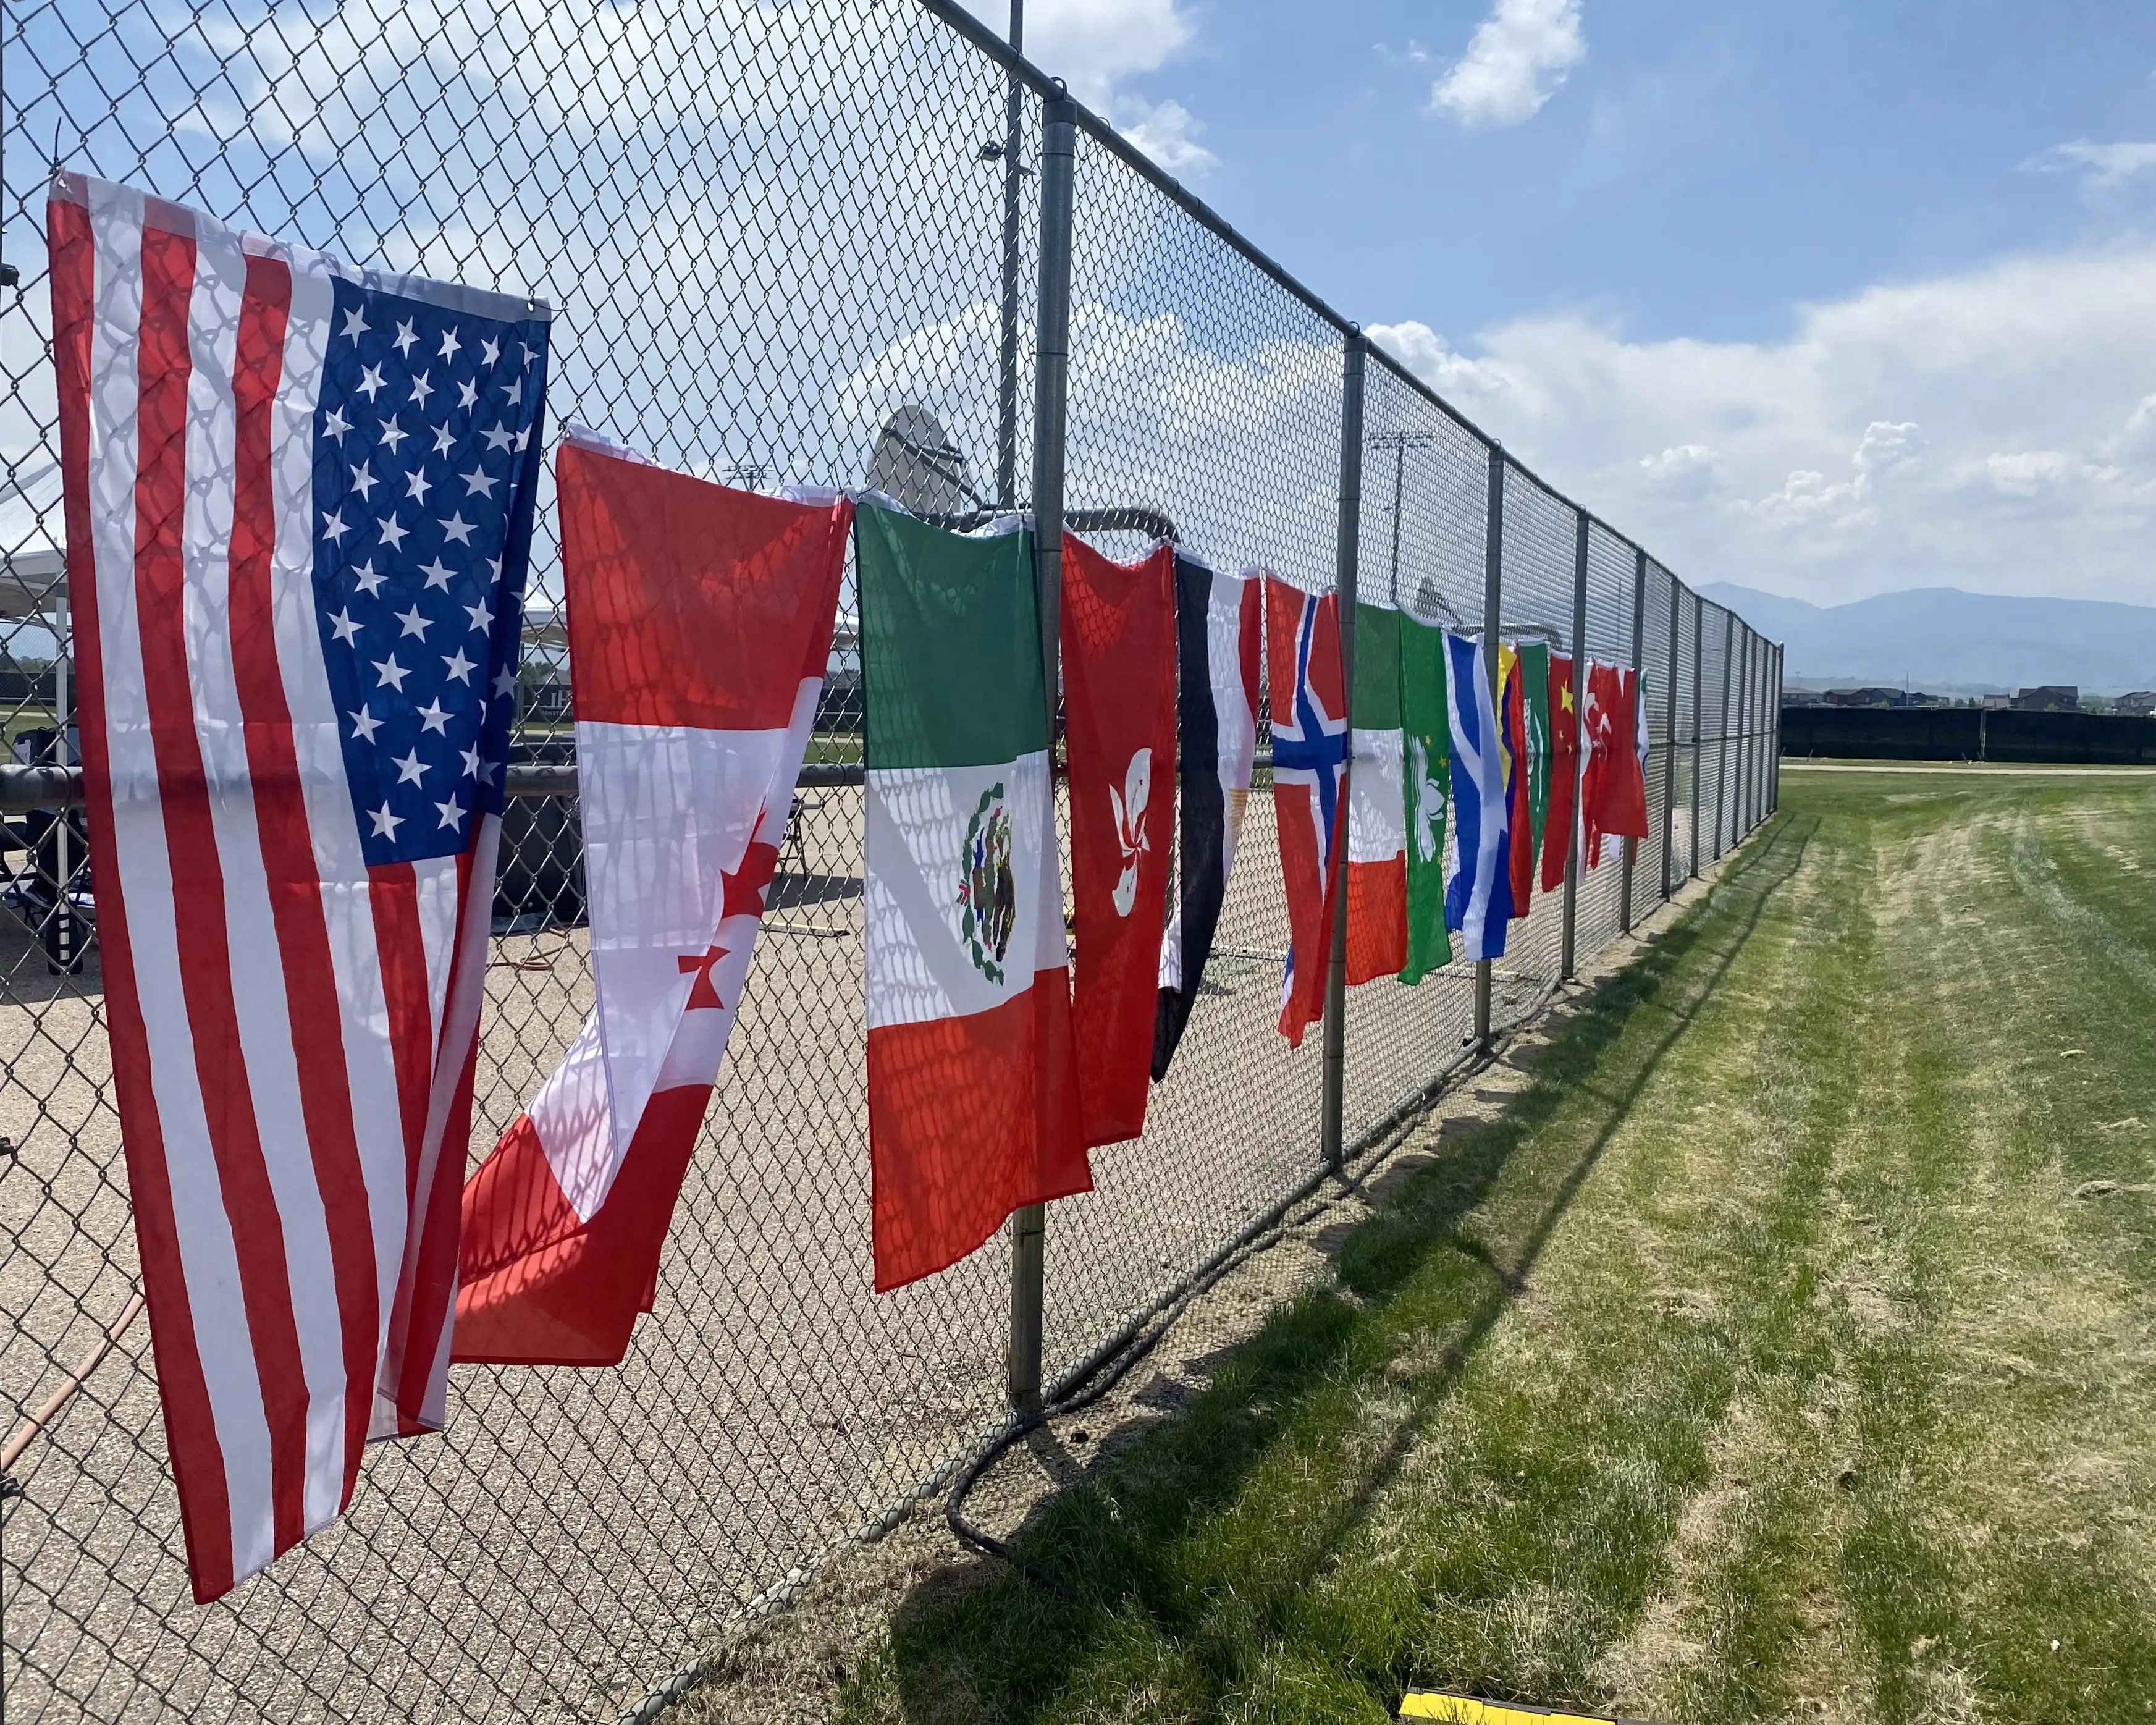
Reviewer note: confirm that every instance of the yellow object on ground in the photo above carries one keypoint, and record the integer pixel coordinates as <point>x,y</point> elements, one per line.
<point>1465,1710</point>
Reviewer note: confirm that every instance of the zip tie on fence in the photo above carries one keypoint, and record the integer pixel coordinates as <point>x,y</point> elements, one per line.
<point>27,1432</point>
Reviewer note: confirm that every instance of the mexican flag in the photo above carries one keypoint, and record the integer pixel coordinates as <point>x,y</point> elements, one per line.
<point>972,1076</point>
<point>1377,819</point>
<point>1426,752</point>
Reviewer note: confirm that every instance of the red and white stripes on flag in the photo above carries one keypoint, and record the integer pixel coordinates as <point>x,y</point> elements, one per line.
<point>292,925</point>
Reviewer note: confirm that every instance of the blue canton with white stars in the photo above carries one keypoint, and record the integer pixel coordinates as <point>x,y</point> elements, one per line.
<point>426,474</point>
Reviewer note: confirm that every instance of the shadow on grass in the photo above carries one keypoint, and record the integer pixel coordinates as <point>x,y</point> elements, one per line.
<point>1136,1539</point>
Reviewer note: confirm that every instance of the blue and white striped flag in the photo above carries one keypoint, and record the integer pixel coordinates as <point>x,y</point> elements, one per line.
<point>1478,888</point>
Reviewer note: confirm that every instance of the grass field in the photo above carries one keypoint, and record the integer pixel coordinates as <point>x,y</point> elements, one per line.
<point>1784,1354</point>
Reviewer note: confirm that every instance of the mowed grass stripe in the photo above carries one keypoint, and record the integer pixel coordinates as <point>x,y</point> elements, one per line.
<point>1761,1363</point>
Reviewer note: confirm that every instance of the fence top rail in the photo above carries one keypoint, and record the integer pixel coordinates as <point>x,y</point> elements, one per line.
<point>1050,88</point>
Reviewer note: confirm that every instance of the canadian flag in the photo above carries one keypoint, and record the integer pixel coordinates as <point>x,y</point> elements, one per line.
<point>699,622</point>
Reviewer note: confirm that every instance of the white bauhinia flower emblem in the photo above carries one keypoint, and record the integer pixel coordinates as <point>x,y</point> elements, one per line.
<point>1130,806</point>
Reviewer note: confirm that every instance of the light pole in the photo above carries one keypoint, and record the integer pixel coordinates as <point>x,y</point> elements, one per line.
<point>1007,382</point>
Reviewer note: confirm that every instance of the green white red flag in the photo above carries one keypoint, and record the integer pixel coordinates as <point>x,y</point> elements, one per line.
<point>1377,816</point>
<point>1426,760</point>
<point>971,1070</point>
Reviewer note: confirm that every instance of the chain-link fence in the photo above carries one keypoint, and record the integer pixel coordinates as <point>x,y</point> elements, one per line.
<point>784,244</point>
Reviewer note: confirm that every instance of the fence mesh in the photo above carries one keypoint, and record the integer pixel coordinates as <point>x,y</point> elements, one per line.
<point>784,244</point>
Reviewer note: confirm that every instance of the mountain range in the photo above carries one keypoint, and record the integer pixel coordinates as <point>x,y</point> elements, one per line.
<point>1945,640</point>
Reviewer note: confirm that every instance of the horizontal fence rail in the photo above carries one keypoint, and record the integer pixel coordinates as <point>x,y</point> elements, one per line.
<point>799,244</point>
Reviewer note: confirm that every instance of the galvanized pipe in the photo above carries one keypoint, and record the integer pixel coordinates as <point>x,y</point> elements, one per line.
<point>1347,555</point>
<point>1670,761</point>
<point>1569,966</point>
<point>1493,593</point>
<point>1050,401</point>
<point>1698,690</point>
<point>1639,670</point>
<point>1722,742</point>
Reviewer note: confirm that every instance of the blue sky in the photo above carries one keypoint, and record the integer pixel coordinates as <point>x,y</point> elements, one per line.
<point>1828,299</point>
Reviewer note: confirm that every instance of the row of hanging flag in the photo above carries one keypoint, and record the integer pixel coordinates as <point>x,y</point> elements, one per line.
<point>300,501</point>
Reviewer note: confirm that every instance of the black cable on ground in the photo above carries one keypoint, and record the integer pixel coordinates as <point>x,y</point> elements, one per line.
<point>1106,1373</point>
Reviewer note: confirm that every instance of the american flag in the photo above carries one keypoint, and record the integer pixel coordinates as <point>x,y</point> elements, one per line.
<point>299,503</point>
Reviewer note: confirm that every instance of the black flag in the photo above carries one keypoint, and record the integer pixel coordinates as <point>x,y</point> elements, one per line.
<point>1219,621</point>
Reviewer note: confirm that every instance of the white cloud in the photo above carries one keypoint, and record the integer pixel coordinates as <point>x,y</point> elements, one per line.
<point>1686,469</point>
<point>2107,164</point>
<point>1515,61</point>
<point>1994,430</point>
<point>1459,379</point>
<point>1168,133</point>
<point>2026,472</point>
<point>1093,45</point>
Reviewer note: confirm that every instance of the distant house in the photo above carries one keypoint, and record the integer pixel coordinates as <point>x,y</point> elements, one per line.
<point>1867,697</point>
<point>2142,701</point>
<point>2049,698</point>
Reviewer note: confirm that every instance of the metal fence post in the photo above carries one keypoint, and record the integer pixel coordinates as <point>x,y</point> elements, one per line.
<point>1774,784</point>
<point>1051,377</point>
<point>1639,670</point>
<point>1570,967</point>
<point>1346,564</point>
<point>1670,754</point>
<point>1493,580</point>
<point>1721,730</point>
<point>1752,681</point>
<point>1698,690</point>
<point>1737,796</point>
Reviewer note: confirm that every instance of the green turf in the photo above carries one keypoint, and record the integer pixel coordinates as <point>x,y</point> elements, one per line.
<point>1773,1359</point>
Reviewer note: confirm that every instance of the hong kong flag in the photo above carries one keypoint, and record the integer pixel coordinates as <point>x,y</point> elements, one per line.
<point>1118,627</point>
<point>700,622</point>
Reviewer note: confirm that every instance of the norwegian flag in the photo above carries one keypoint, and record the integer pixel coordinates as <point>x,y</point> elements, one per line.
<point>299,509</point>
<point>1310,769</point>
